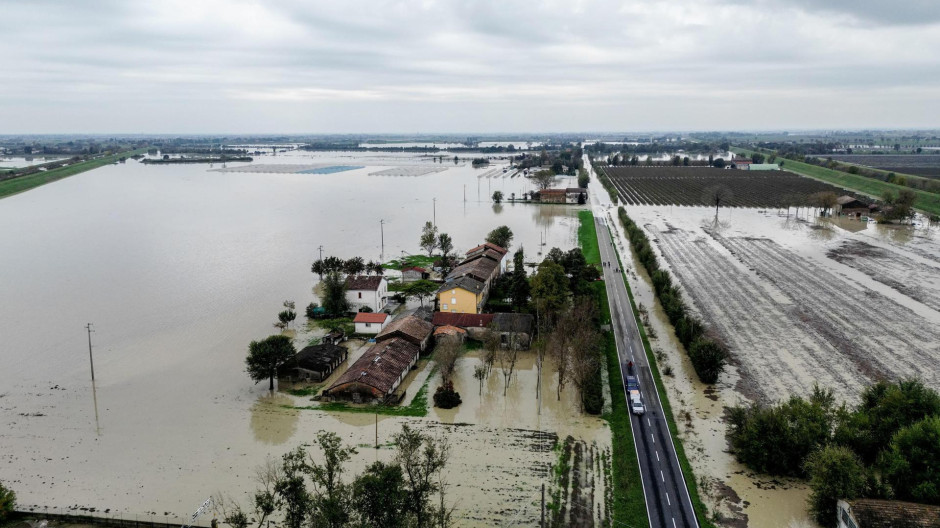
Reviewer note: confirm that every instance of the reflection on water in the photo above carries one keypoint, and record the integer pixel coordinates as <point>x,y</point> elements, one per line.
<point>271,422</point>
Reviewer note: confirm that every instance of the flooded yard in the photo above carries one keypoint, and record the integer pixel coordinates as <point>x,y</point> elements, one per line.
<point>179,267</point>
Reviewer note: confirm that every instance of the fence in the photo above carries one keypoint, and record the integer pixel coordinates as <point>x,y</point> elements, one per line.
<point>99,518</point>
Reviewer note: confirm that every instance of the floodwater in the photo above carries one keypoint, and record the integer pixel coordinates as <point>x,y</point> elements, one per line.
<point>27,161</point>
<point>742,497</point>
<point>178,268</point>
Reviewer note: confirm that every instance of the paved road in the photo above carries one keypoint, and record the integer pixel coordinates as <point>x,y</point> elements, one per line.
<point>667,497</point>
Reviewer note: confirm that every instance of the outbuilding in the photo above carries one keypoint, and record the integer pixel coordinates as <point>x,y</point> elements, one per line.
<point>377,373</point>
<point>313,363</point>
<point>410,328</point>
<point>371,323</point>
<point>414,273</point>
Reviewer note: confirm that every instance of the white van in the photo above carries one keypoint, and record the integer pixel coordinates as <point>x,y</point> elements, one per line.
<point>636,405</point>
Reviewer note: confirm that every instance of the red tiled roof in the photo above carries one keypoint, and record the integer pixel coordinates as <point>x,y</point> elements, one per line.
<point>414,268</point>
<point>490,245</point>
<point>363,282</point>
<point>449,330</point>
<point>367,317</point>
<point>411,328</point>
<point>462,320</point>
<point>380,366</point>
<point>552,191</point>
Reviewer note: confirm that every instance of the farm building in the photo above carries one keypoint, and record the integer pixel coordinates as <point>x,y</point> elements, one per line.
<point>849,205</point>
<point>741,163</point>
<point>876,513</point>
<point>466,287</point>
<point>410,328</point>
<point>335,337</point>
<point>414,273</point>
<point>552,196</point>
<point>314,363</point>
<point>763,166</point>
<point>371,323</point>
<point>515,329</point>
<point>377,373</point>
<point>449,332</point>
<point>576,195</point>
<point>369,291</point>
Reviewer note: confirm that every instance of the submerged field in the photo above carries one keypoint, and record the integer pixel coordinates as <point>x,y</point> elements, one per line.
<point>696,185</point>
<point>918,164</point>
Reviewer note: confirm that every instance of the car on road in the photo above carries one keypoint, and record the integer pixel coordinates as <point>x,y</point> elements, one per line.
<point>636,404</point>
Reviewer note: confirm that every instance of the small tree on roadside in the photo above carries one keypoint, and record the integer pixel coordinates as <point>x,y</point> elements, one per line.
<point>501,236</point>
<point>429,238</point>
<point>498,196</point>
<point>835,473</point>
<point>266,356</point>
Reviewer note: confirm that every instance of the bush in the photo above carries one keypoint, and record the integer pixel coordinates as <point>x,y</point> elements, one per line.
<point>835,473</point>
<point>365,309</point>
<point>911,464</point>
<point>593,394</point>
<point>446,397</point>
<point>708,359</point>
<point>7,502</point>
<point>312,310</point>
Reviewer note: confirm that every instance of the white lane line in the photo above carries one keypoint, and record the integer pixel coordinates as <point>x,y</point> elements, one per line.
<point>657,455</point>
<point>649,423</point>
<point>673,522</point>
<point>653,437</point>
<point>669,502</point>
<point>661,476</point>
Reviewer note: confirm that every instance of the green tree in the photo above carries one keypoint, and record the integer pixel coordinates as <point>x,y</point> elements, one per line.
<point>520,282</point>
<point>291,495</point>
<point>420,289</point>
<point>549,291</point>
<point>501,236</point>
<point>331,500</point>
<point>287,316</point>
<point>583,178</point>
<point>446,245</point>
<point>334,294</point>
<point>379,496</point>
<point>835,472</point>
<point>498,196</point>
<point>422,460</point>
<point>708,359</point>
<point>266,356</point>
<point>7,502</point>
<point>354,266</point>
<point>911,464</point>
<point>429,238</point>
<point>544,179</point>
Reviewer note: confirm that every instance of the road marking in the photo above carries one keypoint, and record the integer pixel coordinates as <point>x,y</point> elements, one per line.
<point>663,477</point>
<point>673,522</point>
<point>648,422</point>
<point>669,502</point>
<point>653,437</point>
<point>657,455</point>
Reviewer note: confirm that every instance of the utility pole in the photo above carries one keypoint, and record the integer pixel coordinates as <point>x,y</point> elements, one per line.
<point>91,359</point>
<point>382,227</point>
<point>321,251</point>
<point>543,506</point>
<point>465,193</point>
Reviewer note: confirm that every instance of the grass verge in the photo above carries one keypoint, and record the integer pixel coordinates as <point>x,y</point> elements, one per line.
<point>587,237</point>
<point>701,511</point>
<point>25,183</point>
<point>422,261</point>
<point>927,202</point>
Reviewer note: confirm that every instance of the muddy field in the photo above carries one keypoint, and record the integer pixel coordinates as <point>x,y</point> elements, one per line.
<point>919,164</point>
<point>692,186</point>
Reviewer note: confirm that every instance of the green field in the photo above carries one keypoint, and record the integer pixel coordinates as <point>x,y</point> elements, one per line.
<point>25,183</point>
<point>927,202</point>
<point>587,237</point>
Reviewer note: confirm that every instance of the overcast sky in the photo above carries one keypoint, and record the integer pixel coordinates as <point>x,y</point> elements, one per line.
<point>346,66</point>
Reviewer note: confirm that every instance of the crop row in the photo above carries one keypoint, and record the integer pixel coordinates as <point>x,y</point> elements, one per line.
<point>696,186</point>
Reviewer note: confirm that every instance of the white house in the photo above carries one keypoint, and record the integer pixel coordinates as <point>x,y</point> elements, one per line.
<point>371,323</point>
<point>366,290</point>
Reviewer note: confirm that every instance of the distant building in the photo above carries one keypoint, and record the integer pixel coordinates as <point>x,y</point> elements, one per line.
<point>876,513</point>
<point>414,273</point>
<point>515,329</point>
<point>369,291</point>
<point>314,363</point>
<point>741,163</point>
<point>449,332</point>
<point>377,373</point>
<point>552,196</point>
<point>850,205</point>
<point>764,166</point>
<point>371,323</point>
<point>474,323</point>
<point>576,195</point>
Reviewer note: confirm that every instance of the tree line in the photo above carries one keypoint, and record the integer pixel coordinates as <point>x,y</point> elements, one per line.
<point>886,445</point>
<point>706,351</point>
<point>304,490</point>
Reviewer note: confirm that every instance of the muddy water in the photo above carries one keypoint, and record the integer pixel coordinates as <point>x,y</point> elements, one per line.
<point>727,486</point>
<point>179,268</point>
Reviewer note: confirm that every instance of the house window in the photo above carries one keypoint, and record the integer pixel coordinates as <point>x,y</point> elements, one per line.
<point>453,300</point>
<point>368,325</point>
<point>444,307</point>
<point>453,292</point>
<point>360,295</point>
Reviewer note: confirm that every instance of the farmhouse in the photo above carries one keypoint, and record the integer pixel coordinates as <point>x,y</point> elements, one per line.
<point>849,205</point>
<point>411,329</point>
<point>515,329</point>
<point>576,195</point>
<point>874,513</point>
<point>466,287</point>
<point>314,363</point>
<point>370,291</point>
<point>741,163</point>
<point>474,323</point>
<point>377,373</point>
<point>552,196</point>
<point>414,273</point>
<point>371,323</point>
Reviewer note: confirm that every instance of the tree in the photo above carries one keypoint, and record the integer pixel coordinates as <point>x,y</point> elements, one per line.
<point>354,266</point>
<point>835,473</point>
<point>583,178</point>
<point>379,496</point>
<point>557,167</point>
<point>420,289</point>
<point>719,163</point>
<point>422,460</point>
<point>717,194</point>
<point>506,357</point>
<point>7,502</point>
<point>708,359</point>
<point>334,294</point>
<point>911,464</point>
<point>445,355</point>
<point>287,316</point>
<point>825,200</point>
<point>331,505</point>
<point>549,291</point>
<point>757,157</point>
<point>266,356</point>
<point>479,374</point>
<point>498,196</point>
<point>544,179</point>
<point>429,238</point>
<point>501,236</point>
<point>520,281</point>
<point>446,244</point>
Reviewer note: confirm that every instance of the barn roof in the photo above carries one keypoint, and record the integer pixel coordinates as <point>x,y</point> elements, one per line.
<point>463,320</point>
<point>380,366</point>
<point>367,317</point>
<point>412,328</point>
<point>876,513</point>
<point>514,322</point>
<point>318,358</point>
<point>364,282</point>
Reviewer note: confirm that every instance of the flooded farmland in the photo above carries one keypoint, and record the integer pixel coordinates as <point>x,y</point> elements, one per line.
<point>179,267</point>
<point>799,300</point>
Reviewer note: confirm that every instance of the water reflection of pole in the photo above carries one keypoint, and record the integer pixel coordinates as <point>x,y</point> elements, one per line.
<point>94,391</point>
<point>434,221</point>
<point>382,227</point>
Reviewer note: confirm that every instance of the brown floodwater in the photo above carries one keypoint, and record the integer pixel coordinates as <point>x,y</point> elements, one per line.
<point>179,267</point>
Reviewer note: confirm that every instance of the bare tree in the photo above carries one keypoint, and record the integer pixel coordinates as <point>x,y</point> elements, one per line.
<point>479,373</point>
<point>717,194</point>
<point>492,342</point>
<point>446,353</point>
<point>506,357</point>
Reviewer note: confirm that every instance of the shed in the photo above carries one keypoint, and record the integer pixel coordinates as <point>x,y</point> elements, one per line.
<point>414,273</point>
<point>876,513</point>
<point>764,166</point>
<point>851,205</point>
<point>334,337</point>
<point>552,196</point>
<point>515,329</point>
<point>410,328</point>
<point>370,323</point>
<point>314,363</point>
<point>449,332</point>
<point>576,195</point>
